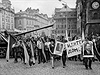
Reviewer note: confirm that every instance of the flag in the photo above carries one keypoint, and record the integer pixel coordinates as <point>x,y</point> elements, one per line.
<point>97,54</point>
<point>11,41</point>
<point>32,50</point>
<point>25,53</point>
<point>66,35</point>
<point>43,41</point>
<point>4,37</point>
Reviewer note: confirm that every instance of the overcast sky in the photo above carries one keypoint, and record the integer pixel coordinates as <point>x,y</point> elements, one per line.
<point>45,6</point>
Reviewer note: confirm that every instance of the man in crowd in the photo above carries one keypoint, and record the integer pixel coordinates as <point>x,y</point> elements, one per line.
<point>39,46</point>
<point>47,43</point>
<point>87,53</point>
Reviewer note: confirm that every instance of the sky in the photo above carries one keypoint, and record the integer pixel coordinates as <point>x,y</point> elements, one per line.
<point>45,6</point>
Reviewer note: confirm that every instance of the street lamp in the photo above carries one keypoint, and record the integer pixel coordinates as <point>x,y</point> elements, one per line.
<point>62,1</point>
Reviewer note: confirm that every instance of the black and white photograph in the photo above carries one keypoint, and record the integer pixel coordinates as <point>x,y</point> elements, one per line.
<point>49,37</point>
<point>88,50</point>
<point>59,47</point>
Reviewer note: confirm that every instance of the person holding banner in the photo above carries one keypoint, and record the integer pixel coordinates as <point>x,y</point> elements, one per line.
<point>51,50</point>
<point>88,53</point>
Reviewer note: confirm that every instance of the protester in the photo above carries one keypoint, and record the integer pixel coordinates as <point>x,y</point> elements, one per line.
<point>15,49</point>
<point>39,46</point>
<point>88,51</point>
<point>64,57</point>
<point>47,43</point>
<point>20,52</point>
<point>52,46</point>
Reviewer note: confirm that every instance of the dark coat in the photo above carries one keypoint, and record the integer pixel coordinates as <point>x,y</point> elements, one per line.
<point>87,53</point>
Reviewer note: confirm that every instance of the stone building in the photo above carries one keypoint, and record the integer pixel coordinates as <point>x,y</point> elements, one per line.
<point>88,16</point>
<point>31,19</point>
<point>6,16</point>
<point>65,19</point>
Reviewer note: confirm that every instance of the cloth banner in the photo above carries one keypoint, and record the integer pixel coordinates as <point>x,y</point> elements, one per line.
<point>59,47</point>
<point>25,53</point>
<point>32,50</point>
<point>11,41</point>
<point>74,47</point>
<point>4,37</point>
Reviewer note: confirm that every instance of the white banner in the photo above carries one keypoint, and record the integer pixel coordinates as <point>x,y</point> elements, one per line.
<point>73,47</point>
<point>59,47</point>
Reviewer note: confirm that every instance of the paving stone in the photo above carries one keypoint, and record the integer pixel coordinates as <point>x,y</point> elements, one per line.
<point>72,68</point>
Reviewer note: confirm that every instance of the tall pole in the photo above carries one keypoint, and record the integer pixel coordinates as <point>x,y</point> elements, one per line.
<point>83,18</point>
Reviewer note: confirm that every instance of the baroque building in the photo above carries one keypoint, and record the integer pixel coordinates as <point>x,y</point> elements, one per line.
<point>65,19</point>
<point>31,19</point>
<point>6,16</point>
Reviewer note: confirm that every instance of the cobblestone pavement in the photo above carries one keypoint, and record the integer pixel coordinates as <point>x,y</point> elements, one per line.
<point>72,68</point>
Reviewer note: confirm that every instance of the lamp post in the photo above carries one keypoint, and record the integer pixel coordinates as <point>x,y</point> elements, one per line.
<point>62,1</point>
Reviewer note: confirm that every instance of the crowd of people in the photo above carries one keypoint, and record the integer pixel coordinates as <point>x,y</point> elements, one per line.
<point>42,51</point>
<point>43,48</point>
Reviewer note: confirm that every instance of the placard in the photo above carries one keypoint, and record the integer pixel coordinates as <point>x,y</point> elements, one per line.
<point>59,47</point>
<point>88,49</point>
<point>74,47</point>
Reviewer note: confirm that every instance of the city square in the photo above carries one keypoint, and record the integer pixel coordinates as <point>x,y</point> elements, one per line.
<point>49,37</point>
<point>72,68</point>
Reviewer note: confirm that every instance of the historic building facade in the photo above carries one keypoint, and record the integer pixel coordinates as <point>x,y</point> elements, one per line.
<point>88,11</point>
<point>6,16</point>
<point>65,19</point>
<point>71,22</point>
<point>31,19</point>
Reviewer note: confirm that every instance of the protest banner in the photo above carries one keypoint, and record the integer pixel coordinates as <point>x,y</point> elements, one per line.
<point>59,47</point>
<point>73,47</point>
<point>88,49</point>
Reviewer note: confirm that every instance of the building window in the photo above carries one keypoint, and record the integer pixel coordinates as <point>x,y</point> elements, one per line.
<point>3,26</point>
<point>62,31</point>
<point>12,26</point>
<point>65,26</point>
<point>58,26</point>
<point>58,31</point>
<point>11,21</point>
<point>62,26</point>
<point>27,22</point>
<point>20,22</point>
<point>68,26</point>
<point>6,20</point>
<point>3,19</point>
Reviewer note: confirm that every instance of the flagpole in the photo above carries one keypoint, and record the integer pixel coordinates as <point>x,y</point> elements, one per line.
<point>67,35</point>
<point>35,30</point>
